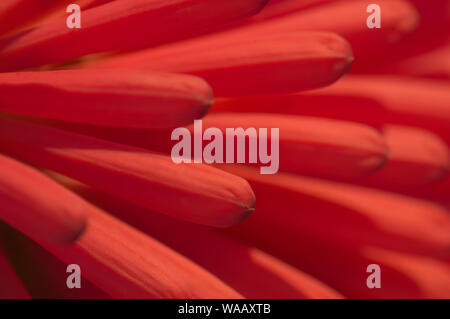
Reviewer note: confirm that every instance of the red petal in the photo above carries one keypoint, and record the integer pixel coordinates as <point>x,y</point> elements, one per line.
<point>416,157</point>
<point>107,97</point>
<point>39,207</point>
<point>250,271</point>
<point>197,193</point>
<point>297,210</point>
<point>128,264</point>
<point>233,65</point>
<point>136,24</point>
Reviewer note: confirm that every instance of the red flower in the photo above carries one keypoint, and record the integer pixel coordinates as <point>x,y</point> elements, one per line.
<point>363,162</point>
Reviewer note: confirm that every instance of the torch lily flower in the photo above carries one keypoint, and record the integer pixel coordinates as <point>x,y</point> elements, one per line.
<point>86,123</point>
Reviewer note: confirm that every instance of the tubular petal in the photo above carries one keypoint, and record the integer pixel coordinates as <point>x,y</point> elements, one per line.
<point>39,207</point>
<point>348,19</point>
<point>235,66</point>
<point>433,64</point>
<point>43,275</point>
<point>15,14</point>
<point>126,98</point>
<point>313,146</point>
<point>416,157</point>
<point>250,271</point>
<point>197,193</point>
<point>136,24</point>
<point>292,208</point>
<point>307,145</point>
<point>125,263</point>
<point>369,99</point>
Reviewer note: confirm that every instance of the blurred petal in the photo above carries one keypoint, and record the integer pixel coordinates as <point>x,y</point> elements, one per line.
<point>125,263</point>
<point>136,24</point>
<point>431,64</point>
<point>11,287</point>
<point>43,275</point>
<point>19,13</point>
<point>348,19</point>
<point>292,208</point>
<point>307,145</point>
<point>416,157</point>
<point>374,100</point>
<point>250,271</point>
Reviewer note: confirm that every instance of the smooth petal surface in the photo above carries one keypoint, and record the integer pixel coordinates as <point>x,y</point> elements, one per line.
<point>293,208</point>
<point>307,145</point>
<point>369,99</point>
<point>17,13</point>
<point>197,193</point>
<point>39,207</point>
<point>346,18</point>
<point>126,98</point>
<point>44,275</point>
<point>136,24</point>
<point>313,146</point>
<point>416,158</point>
<point>433,64</point>
<point>234,66</point>
<point>125,263</point>
<point>250,271</point>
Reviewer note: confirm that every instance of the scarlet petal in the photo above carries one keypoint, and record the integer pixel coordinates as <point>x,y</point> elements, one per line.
<point>374,100</point>
<point>250,271</point>
<point>298,210</point>
<point>416,157</point>
<point>433,64</point>
<point>402,275</point>
<point>125,263</point>
<point>439,191</point>
<point>136,24</point>
<point>234,66</point>
<point>17,13</point>
<point>197,193</point>
<point>329,105</point>
<point>39,207</point>
<point>348,19</point>
<point>414,102</point>
<point>106,97</point>
<point>315,146</point>
<point>44,275</point>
